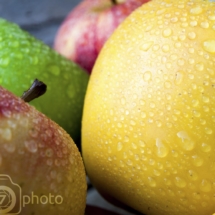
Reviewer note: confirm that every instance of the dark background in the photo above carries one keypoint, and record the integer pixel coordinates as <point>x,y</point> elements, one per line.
<point>42,18</point>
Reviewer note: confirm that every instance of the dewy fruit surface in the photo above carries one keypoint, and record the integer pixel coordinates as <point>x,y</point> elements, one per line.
<point>24,58</point>
<point>40,157</point>
<point>149,114</point>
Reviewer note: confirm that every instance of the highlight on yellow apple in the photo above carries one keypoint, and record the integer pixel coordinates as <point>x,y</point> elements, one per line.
<point>41,169</point>
<point>149,118</point>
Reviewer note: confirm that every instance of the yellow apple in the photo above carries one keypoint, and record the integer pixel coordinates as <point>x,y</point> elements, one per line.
<point>149,114</point>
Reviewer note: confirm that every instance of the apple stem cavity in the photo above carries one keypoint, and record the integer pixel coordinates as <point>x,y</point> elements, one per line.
<point>114,2</point>
<point>37,89</point>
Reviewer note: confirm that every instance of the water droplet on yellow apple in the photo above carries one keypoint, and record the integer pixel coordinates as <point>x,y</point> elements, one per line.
<point>204,24</point>
<point>186,142</point>
<point>119,146</point>
<point>192,35</point>
<point>180,182</point>
<point>152,182</point>
<point>146,46</point>
<point>162,150</point>
<point>192,175</point>
<point>147,76</point>
<point>205,185</point>
<point>197,161</point>
<point>193,23</point>
<point>205,147</point>
<point>209,46</point>
<point>179,77</point>
<point>196,10</point>
<point>208,130</point>
<point>165,48</point>
<point>167,32</point>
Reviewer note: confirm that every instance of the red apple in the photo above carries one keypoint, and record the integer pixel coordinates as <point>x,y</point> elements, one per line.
<point>88,26</point>
<point>41,169</point>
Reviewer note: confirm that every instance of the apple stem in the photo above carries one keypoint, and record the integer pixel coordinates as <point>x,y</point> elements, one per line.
<point>114,2</point>
<point>37,89</point>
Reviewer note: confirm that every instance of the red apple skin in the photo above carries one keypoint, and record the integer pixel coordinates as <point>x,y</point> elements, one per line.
<point>87,27</point>
<point>40,158</point>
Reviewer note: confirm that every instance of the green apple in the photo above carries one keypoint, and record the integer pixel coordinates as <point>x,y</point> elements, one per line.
<point>23,58</point>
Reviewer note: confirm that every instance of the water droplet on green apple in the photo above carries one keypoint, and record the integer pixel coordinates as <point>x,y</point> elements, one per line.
<point>35,60</point>
<point>70,91</point>
<point>54,70</point>
<point>4,62</point>
<point>14,44</point>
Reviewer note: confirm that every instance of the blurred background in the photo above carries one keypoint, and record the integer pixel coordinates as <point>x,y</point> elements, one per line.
<point>42,18</point>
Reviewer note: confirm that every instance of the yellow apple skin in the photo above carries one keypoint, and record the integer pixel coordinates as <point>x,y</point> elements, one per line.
<point>149,114</point>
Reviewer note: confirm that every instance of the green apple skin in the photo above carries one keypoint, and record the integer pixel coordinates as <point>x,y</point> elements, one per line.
<point>23,58</point>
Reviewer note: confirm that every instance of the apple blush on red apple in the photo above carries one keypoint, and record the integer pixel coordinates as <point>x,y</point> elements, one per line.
<point>88,26</point>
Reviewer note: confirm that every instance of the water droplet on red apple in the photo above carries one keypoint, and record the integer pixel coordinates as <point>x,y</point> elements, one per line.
<point>31,146</point>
